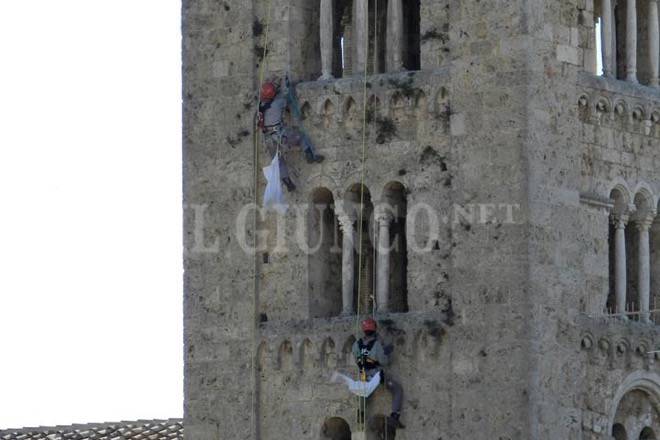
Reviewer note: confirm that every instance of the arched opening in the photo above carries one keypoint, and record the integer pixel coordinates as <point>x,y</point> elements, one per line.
<point>335,428</point>
<point>647,434</point>
<point>394,197</point>
<point>358,201</point>
<point>637,412</point>
<point>655,267</point>
<point>619,432</point>
<point>324,259</point>
<point>639,293</point>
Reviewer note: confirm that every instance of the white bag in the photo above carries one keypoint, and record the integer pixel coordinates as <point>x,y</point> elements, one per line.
<point>274,195</point>
<point>357,387</point>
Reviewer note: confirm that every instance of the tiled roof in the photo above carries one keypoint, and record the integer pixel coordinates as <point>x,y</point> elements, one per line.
<point>171,429</point>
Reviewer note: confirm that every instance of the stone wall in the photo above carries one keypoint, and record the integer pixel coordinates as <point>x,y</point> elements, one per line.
<point>504,335</point>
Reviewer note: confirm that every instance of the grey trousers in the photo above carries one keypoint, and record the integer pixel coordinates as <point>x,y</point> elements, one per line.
<point>394,387</point>
<point>396,390</point>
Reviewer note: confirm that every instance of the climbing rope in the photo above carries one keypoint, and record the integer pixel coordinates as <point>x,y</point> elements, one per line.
<point>255,171</point>
<point>362,402</point>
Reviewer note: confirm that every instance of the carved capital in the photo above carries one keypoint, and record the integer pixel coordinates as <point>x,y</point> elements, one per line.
<point>383,214</point>
<point>620,220</point>
<point>644,223</point>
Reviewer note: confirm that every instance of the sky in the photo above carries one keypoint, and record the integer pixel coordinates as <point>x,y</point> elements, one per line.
<point>90,226</point>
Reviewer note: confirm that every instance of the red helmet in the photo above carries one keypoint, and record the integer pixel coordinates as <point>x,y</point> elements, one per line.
<point>268,91</point>
<point>369,325</point>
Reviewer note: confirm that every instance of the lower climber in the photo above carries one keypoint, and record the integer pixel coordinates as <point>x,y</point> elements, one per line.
<point>273,103</point>
<point>371,356</point>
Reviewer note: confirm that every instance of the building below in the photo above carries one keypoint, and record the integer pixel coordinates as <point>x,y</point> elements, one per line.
<point>170,429</point>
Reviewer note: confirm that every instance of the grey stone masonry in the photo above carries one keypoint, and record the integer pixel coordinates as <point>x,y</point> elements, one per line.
<point>522,290</point>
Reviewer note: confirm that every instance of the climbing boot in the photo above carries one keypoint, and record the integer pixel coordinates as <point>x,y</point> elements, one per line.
<point>313,158</point>
<point>290,186</point>
<point>393,420</point>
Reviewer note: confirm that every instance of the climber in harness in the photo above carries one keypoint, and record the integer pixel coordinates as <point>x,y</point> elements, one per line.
<point>371,356</point>
<point>279,136</point>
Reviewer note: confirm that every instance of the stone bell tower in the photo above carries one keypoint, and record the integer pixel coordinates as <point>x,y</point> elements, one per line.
<point>488,193</point>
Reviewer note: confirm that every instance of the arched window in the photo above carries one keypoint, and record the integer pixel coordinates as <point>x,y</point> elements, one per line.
<point>647,434</point>
<point>655,268</point>
<point>619,251</point>
<point>324,259</point>
<point>335,428</point>
<point>619,432</point>
<point>357,202</point>
<point>392,265</point>
<point>636,409</point>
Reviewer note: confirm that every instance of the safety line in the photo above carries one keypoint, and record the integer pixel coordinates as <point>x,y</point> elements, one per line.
<point>255,330</point>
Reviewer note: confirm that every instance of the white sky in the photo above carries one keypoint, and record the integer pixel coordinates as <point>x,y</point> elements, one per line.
<point>90,227</point>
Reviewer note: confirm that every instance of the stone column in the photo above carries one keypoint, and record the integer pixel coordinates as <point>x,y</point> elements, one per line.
<point>347,264</point>
<point>361,33</point>
<point>327,36</point>
<point>620,279</point>
<point>654,43</point>
<point>383,221</point>
<point>607,39</point>
<point>644,268</point>
<point>394,35</point>
<point>631,40</point>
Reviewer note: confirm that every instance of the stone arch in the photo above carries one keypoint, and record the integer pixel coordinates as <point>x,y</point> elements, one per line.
<point>420,345</point>
<point>285,356</point>
<point>421,104</point>
<point>638,114</point>
<point>394,210</point>
<point>328,353</point>
<point>645,198</point>
<point>328,113</point>
<point>397,106</point>
<point>335,428</point>
<point>350,113</point>
<point>305,110</point>
<point>374,108</point>
<point>262,356</point>
<point>441,101</point>
<point>583,107</point>
<point>347,350</point>
<point>621,108</point>
<point>637,258</point>
<point>307,355</point>
<point>619,432</point>
<point>587,342</point>
<point>602,107</point>
<point>621,195</point>
<point>646,382</point>
<point>647,434</point>
<point>619,234</point>
<point>323,256</point>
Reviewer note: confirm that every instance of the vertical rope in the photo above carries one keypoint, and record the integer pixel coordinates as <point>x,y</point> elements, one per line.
<point>255,172</point>
<point>362,402</point>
